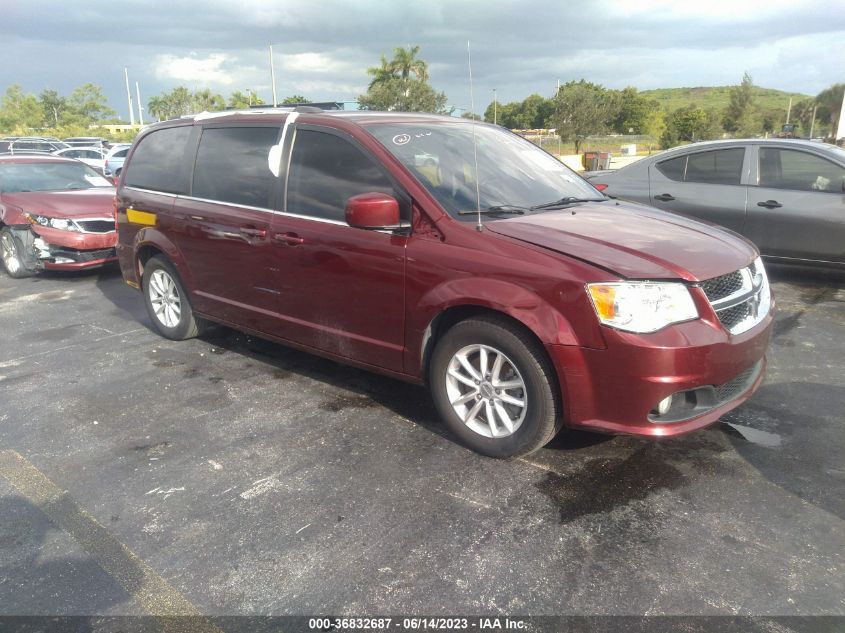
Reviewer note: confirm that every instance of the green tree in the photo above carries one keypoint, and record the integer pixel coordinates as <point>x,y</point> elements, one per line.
<point>206,101</point>
<point>20,111</point>
<point>742,116</point>
<point>401,84</point>
<point>243,100</point>
<point>635,113</point>
<point>295,99</point>
<point>829,102</point>
<point>472,116</point>
<point>582,109</point>
<point>89,103</point>
<point>53,105</point>
<point>691,123</point>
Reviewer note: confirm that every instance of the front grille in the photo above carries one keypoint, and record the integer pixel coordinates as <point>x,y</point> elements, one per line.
<point>731,317</point>
<point>731,389</point>
<point>96,226</point>
<point>83,256</point>
<point>721,287</point>
<point>740,299</point>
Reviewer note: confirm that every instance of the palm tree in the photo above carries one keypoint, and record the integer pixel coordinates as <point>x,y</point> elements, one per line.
<point>405,63</point>
<point>381,73</point>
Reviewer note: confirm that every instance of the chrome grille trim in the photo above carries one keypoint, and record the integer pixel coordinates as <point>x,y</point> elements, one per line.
<point>741,299</point>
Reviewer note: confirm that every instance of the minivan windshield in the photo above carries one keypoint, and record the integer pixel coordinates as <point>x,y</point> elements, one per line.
<point>514,176</point>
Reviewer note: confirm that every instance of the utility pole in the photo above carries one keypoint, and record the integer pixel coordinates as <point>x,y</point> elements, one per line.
<point>138,97</point>
<point>813,122</point>
<point>273,76</point>
<point>129,97</point>
<point>559,148</point>
<point>789,110</point>
<point>495,108</point>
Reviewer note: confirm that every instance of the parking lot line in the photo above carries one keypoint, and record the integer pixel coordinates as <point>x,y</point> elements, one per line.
<point>137,578</point>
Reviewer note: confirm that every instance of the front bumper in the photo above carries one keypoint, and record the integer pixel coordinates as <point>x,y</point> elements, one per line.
<point>54,249</point>
<point>617,389</point>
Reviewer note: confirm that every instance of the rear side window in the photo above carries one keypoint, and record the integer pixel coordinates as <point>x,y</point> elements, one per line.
<point>325,171</point>
<point>231,165</point>
<point>159,162</point>
<point>800,171</point>
<point>719,167</point>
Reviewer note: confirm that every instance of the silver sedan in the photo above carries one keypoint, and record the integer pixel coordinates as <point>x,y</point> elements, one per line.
<point>785,195</point>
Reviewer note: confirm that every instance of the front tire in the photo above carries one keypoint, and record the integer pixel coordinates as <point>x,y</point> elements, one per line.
<point>12,255</point>
<point>167,301</point>
<point>493,385</point>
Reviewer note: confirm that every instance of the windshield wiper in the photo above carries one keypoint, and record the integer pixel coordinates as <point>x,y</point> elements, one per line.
<point>502,208</point>
<point>565,202</point>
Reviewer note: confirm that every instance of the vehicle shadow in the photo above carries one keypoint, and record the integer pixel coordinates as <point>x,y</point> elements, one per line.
<point>792,434</point>
<point>46,573</point>
<point>127,301</point>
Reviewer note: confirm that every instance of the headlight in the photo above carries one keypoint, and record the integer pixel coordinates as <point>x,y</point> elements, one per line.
<point>642,306</point>
<point>63,224</point>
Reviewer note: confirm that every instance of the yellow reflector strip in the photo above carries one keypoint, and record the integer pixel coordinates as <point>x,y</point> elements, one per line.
<point>141,217</point>
<point>131,283</point>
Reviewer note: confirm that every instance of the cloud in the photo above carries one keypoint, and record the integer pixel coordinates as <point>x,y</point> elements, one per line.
<point>195,70</point>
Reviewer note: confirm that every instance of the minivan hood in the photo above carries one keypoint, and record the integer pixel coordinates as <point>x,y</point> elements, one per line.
<point>77,203</point>
<point>632,240</point>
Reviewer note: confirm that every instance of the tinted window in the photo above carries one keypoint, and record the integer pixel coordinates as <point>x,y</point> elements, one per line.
<point>123,152</point>
<point>159,162</point>
<point>326,171</point>
<point>232,165</point>
<point>791,169</point>
<point>719,167</point>
<point>674,168</point>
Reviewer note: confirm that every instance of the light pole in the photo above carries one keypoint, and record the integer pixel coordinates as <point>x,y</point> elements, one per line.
<point>495,108</point>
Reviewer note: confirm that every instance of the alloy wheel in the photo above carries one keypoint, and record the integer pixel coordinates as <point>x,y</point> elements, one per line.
<point>486,391</point>
<point>165,299</point>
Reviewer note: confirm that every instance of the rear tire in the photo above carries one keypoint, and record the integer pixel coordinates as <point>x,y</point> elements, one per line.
<point>12,255</point>
<point>495,388</point>
<point>167,301</point>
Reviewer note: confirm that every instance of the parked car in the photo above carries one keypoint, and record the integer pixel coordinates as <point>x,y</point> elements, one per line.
<point>30,144</point>
<point>524,298</point>
<point>113,163</point>
<point>786,195</point>
<point>87,141</point>
<point>55,213</point>
<point>94,157</point>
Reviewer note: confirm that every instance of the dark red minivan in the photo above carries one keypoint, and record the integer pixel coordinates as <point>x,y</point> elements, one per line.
<point>450,253</point>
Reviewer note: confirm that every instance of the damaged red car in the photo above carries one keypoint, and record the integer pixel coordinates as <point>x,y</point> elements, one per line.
<point>55,214</point>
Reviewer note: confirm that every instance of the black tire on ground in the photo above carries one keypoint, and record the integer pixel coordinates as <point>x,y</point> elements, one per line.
<point>187,326</point>
<point>12,255</point>
<point>543,411</point>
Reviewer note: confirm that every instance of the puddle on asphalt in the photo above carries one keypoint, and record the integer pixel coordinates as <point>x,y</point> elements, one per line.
<point>756,436</point>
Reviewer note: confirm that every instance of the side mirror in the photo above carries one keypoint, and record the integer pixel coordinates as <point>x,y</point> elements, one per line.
<point>373,211</point>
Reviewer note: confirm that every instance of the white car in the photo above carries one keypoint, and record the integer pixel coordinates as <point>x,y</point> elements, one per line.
<point>114,159</point>
<point>94,157</point>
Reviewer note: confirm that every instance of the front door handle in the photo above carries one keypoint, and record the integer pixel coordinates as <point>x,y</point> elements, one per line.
<point>291,239</point>
<point>664,197</point>
<point>770,204</point>
<point>253,232</point>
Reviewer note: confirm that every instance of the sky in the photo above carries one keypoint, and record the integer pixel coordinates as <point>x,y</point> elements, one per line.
<point>322,48</point>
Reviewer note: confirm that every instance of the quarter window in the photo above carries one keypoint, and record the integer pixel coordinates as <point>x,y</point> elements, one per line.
<point>326,170</point>
<point>718,167</point>
<point>232,165</point>
<point>159,162</point>
<point>801,171</point>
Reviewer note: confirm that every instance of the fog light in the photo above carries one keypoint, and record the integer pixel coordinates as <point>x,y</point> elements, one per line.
<point>664,405</point>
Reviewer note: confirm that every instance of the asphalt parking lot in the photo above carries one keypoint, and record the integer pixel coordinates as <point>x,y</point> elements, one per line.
<point>227,475</point>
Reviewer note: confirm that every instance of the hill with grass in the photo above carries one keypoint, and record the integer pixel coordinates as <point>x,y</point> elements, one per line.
<point>718,97</point>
